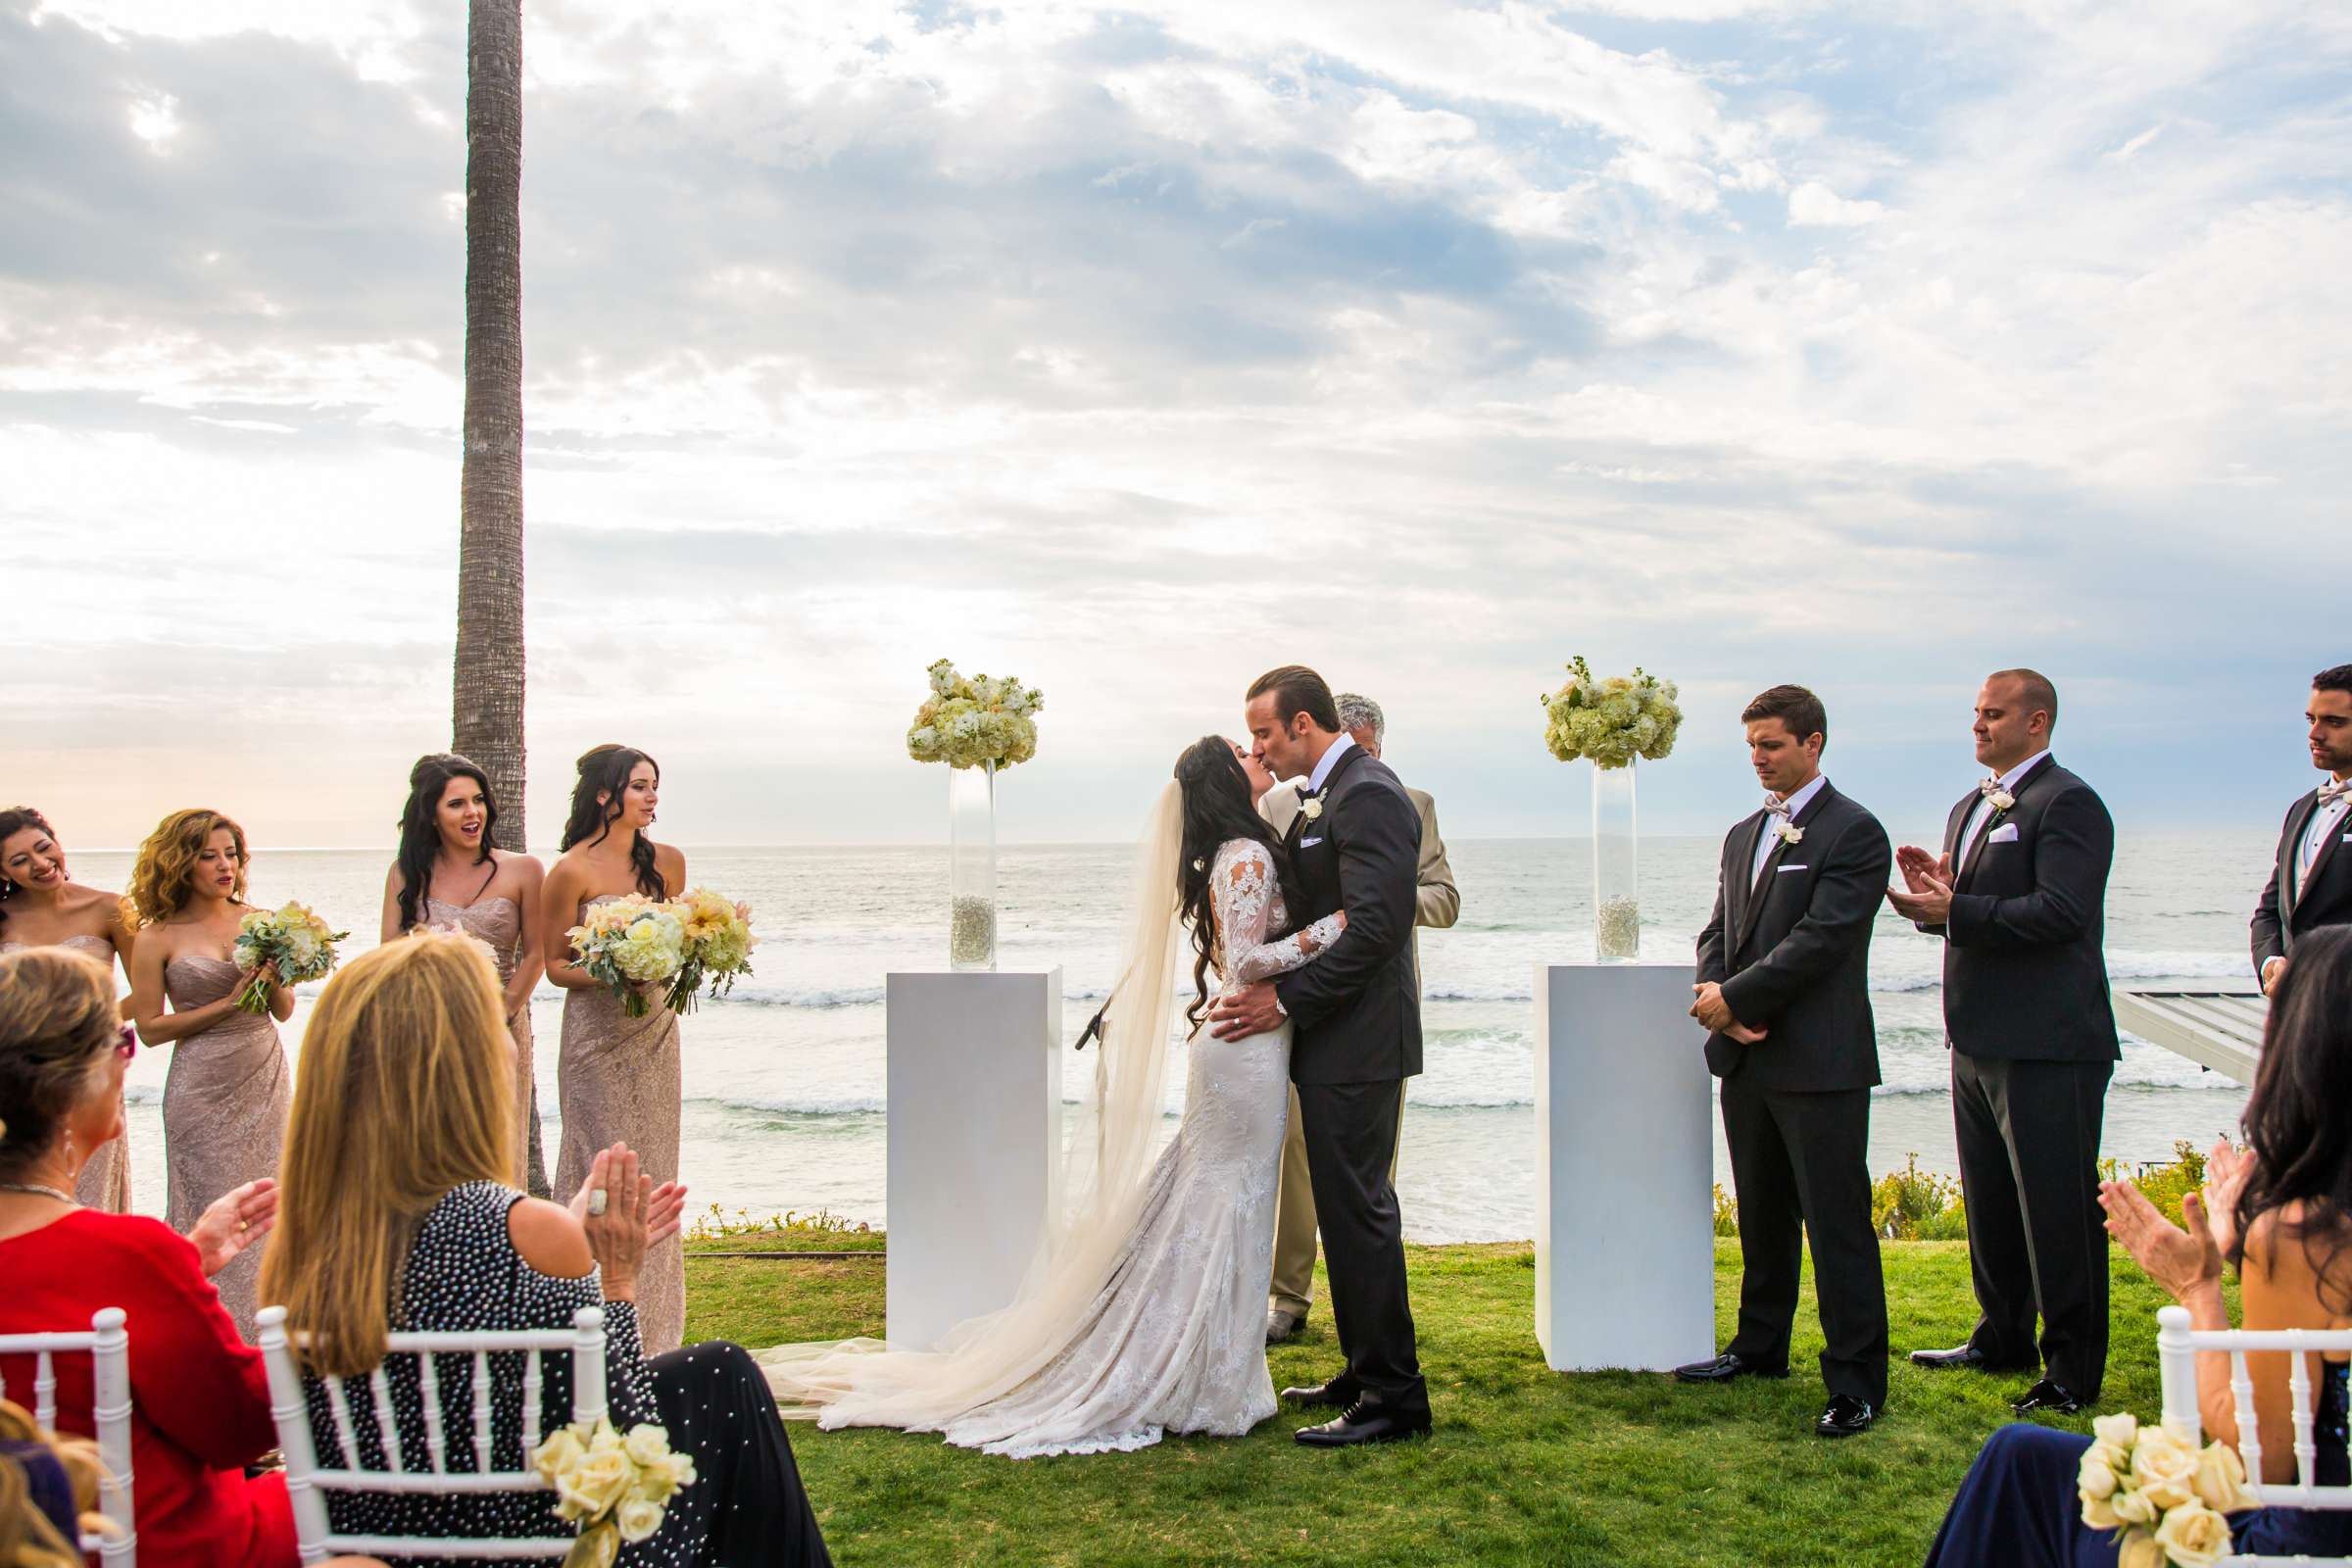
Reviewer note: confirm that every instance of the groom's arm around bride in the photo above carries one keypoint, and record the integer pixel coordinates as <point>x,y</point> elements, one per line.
<point>1355,846</point>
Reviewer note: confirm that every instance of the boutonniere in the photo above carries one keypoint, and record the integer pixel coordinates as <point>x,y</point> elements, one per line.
<point>2001,800</point>
<point>1311,807</point>
<point>1789,832</point>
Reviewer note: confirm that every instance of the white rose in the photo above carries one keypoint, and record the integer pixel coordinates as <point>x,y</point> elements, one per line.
<point>2131,1507</point>
<point>2095,1480</point>
<point>2193,1535</point>
<point>647,1444</point>
<point>557,1454</point>
<point>2139,1551</point>
<point>2221,1481</point>
<point>639,1519</point>
<point>600,1480</point>
<point>2164,1467</point>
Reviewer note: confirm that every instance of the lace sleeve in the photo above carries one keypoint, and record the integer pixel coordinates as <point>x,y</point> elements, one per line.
<point>1242,891</point>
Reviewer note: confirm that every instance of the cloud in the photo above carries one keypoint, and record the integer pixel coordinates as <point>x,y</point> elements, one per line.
<point>1814,205</point>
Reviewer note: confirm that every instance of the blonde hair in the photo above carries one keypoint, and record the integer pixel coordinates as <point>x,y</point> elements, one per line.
<point>160,880</point>
<point>57,1021</point>
<point>404,1091</point>
<point>27,1540</point>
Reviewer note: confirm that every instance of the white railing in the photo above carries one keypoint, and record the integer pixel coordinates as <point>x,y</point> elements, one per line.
<point>307,1482</point>
<point>2177,1347</point>
<point>108,1345</point>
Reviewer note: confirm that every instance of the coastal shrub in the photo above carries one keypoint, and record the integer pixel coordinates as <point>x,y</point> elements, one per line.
<point>717,1224</point>
<point>1913,1205</point>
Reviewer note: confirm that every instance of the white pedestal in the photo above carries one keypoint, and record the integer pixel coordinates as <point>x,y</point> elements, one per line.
<point>1625,1250</point>
<point>975,1141</point>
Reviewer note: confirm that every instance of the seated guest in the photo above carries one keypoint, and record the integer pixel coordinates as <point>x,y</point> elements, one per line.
<point>397,1218</point>
<point>200,1399</point>
<point>48,1486</point>
<point>2284,1213</point>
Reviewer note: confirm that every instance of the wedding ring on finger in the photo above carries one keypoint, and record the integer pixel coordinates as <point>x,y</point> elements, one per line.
<point>597,1200</point>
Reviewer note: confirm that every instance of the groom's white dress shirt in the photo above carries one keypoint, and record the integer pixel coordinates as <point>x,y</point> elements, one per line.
<point>2322,822</point>
<point>1331,760</point>
<point>1982,812</point>
<point>1796,805</point>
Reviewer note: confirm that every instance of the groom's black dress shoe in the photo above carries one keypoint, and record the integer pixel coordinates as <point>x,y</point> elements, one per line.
<point>1845,1417</point>
<point>2054,1398</point>
<point>1336,1394</point>
<point>1967,1356</point>
<point>1724,1368</point>
<point>1364,1422</point>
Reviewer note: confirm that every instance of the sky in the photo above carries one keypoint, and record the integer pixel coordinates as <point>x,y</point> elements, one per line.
<point>1133,350</point>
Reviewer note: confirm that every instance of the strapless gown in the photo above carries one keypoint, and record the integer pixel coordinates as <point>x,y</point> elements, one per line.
<point>225,1102</point>
<point>618,1081</point>
<point>105,1180</point>
<point>499,923</point>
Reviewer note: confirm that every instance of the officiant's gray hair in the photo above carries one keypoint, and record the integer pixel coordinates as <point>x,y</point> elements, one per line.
<point>1359,711</point>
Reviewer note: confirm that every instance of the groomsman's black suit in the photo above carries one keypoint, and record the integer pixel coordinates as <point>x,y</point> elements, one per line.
<point>1357,1012</point>
<point>2031,1030</point>
<point>1791,947</point>
<point>2287,912</point>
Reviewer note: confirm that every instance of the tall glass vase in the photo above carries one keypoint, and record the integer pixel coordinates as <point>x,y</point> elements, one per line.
<point>973,867</point>
<point>1616,883</point>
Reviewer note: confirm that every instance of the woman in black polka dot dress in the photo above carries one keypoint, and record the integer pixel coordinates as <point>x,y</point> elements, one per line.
<point>393,1218</point>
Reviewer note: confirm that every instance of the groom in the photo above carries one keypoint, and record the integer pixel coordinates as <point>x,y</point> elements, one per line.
<point>1355,845</point>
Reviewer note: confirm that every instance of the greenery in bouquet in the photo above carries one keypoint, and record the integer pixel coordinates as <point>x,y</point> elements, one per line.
<point>633,945</point>
<point>1611,721</point>
<point>292,944</point>
<point>975,721</point>
<point>718,947</point>
<point>612,1486</point>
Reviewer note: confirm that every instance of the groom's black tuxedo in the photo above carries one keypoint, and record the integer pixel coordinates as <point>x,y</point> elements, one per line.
<point>1790,945</point>
<point>2323,895</point>
<point>1357,1013</point>
<point>2032,1030</point>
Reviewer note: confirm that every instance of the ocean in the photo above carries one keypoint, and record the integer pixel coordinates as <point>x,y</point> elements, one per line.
<point>785,1079</point>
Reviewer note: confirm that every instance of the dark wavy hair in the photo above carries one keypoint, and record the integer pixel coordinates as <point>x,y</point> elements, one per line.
<point>2299,1117</point>
<point>13,821</point>
<point>420,825</point>
<point>1218,809</point>
<point>606,769</point>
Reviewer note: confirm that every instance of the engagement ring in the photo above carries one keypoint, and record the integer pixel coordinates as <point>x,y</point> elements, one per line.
<point>596,1201</point>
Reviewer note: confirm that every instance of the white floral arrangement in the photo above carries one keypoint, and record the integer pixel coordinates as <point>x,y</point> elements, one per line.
<point>632,944</point>
<point>976,720</point>
<point>2164,1498</point>
<point>292,944</point>
<point>718,945</point>
<point>613,1488</point>
<point>1611,721</point>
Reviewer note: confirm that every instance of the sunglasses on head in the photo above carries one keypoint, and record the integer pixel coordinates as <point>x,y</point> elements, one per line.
<point>126,1040</point>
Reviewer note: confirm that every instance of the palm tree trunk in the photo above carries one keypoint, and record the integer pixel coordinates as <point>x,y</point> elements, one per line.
<point>489,673</point>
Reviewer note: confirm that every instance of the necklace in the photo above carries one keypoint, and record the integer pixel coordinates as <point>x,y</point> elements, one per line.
<point>36,1187</point>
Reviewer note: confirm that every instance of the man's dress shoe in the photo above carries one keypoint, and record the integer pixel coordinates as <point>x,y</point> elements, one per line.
<point>1364,1422</point>
<point>1844,1417</point>
<point>1724,1368</point>
<point>2054,1398</point>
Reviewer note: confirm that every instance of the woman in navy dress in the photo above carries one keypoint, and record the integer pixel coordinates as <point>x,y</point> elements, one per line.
<point>2282,1212</point>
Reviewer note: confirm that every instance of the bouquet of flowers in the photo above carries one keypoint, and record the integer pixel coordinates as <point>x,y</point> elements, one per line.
<point>975,721</point>
<point>1612,721</point>
<point>292,945</point>
<point>718,946</point>
<point>632,944</point>
<point>2163,1498</point>
<point>614,1486</point>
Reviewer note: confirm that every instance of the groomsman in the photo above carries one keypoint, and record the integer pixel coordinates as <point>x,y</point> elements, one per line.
<point>1783,992</point>
<point>1437,906</point>
<point>2311,881</point>
<point>2019,896</point>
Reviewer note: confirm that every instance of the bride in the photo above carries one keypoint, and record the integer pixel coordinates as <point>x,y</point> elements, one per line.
<point>1145,1310</point>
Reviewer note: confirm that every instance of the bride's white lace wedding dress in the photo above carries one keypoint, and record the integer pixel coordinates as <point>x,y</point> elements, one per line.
<point>1172,1335</point>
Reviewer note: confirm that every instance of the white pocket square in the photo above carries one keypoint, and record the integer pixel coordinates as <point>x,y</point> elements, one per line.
<point>1308,844</point>
<point>2006,833</point>
<point>1786,869</point>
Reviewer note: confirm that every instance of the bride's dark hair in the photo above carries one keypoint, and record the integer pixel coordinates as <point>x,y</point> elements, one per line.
<point>1218,809</point>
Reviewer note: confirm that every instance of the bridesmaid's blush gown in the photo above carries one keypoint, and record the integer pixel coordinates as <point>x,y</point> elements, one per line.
<point>225,1100</point>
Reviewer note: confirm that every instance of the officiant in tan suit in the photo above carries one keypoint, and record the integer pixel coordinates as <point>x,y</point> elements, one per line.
<point>1438,906</point>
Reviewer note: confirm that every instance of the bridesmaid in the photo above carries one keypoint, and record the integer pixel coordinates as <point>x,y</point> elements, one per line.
<point>228,1090</point>
<point>491,893</point>
<point>41,907</point>
<point>618,1076</point>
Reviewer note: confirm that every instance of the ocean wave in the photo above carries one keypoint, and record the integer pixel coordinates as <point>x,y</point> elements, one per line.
<point>803,996</point>
<point>790,1105</point>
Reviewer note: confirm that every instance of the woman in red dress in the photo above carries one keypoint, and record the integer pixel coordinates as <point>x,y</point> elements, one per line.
<point>200,1401</point>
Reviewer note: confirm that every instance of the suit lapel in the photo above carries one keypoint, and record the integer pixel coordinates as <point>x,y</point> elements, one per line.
<point>1772,863</point>
<point>1740,888</point>
<point>1975,852</point>
<point>2327,850</point>
<point>2290,886</point>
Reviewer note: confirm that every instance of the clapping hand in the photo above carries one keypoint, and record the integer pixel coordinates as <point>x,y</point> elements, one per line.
<point>1926,897</point>
<point>237,1218</point>
<point>2182,1262</point>
<point>2226,1168</point>
<point>664,1206</point>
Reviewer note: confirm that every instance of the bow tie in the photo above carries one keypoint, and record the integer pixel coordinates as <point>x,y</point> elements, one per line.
<point>2335,790</point>
<point>1989,788</point>
<point>1775,806</point>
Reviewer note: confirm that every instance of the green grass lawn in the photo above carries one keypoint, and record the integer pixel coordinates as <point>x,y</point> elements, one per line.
<point>1526,1466</point>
